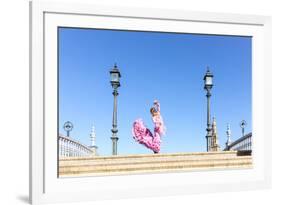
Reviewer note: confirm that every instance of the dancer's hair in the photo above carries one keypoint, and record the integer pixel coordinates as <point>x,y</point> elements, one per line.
<point>154,112</point>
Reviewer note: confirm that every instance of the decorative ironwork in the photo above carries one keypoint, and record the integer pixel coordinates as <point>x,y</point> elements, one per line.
<point>242,144</point>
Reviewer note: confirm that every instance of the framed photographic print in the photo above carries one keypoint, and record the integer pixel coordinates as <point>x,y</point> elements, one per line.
<point>129,102</point>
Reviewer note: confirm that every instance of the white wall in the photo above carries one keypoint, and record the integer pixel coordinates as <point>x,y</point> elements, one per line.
<point>14,99</point>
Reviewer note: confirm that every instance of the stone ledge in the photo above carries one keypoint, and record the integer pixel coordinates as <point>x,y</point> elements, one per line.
<point>148,161</point>
<point>151,155</point>
<point>162,171</point>
<point>152,163</point>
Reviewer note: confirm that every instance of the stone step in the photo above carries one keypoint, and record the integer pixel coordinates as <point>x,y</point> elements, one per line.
<point>150,163</point>
<point>145,157</point>
<point>155,168</point>
<point>177,159</point>
<point>152,171</point>
<point>223,154</point>
<point>159,165</point>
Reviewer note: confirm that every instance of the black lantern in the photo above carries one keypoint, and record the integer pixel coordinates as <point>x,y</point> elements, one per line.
<point>208,78</point>
<point>115,77</point>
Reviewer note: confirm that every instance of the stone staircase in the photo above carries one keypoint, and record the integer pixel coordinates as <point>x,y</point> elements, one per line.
<point>151,163</point>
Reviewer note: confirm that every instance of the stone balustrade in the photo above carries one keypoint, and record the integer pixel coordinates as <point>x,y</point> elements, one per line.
<point>69,147</point>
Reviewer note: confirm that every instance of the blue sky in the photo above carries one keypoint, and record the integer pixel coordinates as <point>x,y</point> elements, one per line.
<point>165,66</point>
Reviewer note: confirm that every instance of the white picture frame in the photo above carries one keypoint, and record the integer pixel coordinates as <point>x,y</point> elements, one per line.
<point>46,187</point>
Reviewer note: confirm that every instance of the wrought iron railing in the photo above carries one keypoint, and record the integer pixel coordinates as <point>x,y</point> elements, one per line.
<point>242,144</point>
<point>69,147</point>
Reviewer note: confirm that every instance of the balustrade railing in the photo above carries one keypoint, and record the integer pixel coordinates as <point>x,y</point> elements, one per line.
<point>69,147</point>
<point>242,144</point>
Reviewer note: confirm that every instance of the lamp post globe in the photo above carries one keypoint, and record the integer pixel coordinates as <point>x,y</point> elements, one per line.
<point>243,124</point>
<point>115,83</point>
<point>68,126</point>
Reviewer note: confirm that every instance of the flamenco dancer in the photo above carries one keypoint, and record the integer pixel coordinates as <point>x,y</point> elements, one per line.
<point>144,136</point>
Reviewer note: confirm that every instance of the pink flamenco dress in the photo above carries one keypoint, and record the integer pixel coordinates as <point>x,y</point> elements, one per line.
<point>144,136</point>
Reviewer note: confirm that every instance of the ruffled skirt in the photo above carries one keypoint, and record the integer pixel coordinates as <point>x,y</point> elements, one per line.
<point>145,137</point>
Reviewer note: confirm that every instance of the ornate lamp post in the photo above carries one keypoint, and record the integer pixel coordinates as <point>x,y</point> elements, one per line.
<point>228,133</point>
<point>115,83</point>
<point>68,126</point>
<point>208,79</point>
<point>243,124</point>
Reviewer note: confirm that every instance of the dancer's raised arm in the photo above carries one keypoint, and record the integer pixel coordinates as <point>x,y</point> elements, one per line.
<point>156,105</point>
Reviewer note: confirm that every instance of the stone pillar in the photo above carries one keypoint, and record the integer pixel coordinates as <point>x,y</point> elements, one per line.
<point>93,146</point>
<point>215,141</point>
